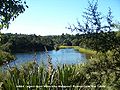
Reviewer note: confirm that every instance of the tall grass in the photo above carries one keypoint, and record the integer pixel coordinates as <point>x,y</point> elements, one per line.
<point>82,50</point>
<point>89,53</point>
<point>33,74</point>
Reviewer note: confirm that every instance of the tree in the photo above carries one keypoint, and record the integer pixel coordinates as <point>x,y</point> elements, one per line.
<point>94,27</point>
<point>75,42</point>
<point>9,10</point>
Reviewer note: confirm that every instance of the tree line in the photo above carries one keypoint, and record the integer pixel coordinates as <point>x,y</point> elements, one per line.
<point>25,43</point>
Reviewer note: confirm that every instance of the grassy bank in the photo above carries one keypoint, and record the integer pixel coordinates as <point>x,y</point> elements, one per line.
<point>81,50</point>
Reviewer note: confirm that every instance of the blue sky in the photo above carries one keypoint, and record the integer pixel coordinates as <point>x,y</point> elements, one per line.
<point>50,17</point>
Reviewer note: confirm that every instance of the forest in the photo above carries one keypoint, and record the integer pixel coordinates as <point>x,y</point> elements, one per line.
<point>25,43</point>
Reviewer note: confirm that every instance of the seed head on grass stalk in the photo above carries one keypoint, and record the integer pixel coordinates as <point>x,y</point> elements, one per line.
<point>50,66</point>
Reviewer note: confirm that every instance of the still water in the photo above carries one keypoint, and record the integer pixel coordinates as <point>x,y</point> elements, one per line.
<point>62,56</point>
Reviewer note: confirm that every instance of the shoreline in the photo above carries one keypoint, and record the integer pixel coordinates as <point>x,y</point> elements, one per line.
<point>88,52</point>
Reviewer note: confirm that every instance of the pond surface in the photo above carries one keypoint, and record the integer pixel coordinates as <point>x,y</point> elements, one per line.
<point>62,56</point>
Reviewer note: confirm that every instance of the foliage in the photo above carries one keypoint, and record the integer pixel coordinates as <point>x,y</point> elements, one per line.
<point>93,25</point>
<point>25,43</point>
<point>93,20</point>
<point>5,56</point>
<point>9,10</point>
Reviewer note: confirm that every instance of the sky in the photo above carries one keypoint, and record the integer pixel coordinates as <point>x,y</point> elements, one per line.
<point>50,17</point>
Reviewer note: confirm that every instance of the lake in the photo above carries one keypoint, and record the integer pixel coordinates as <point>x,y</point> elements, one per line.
<point>62,56</point>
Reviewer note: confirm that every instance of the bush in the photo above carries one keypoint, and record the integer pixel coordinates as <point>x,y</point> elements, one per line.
<point>5,57</point>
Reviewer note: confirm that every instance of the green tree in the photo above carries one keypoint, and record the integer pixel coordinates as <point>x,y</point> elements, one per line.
<point>95,29</point>
<point>9,10</point>
<point>75,42</point>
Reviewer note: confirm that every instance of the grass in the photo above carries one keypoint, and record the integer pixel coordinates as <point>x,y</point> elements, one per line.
<point>81,50</point>
<point>34,75</point>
